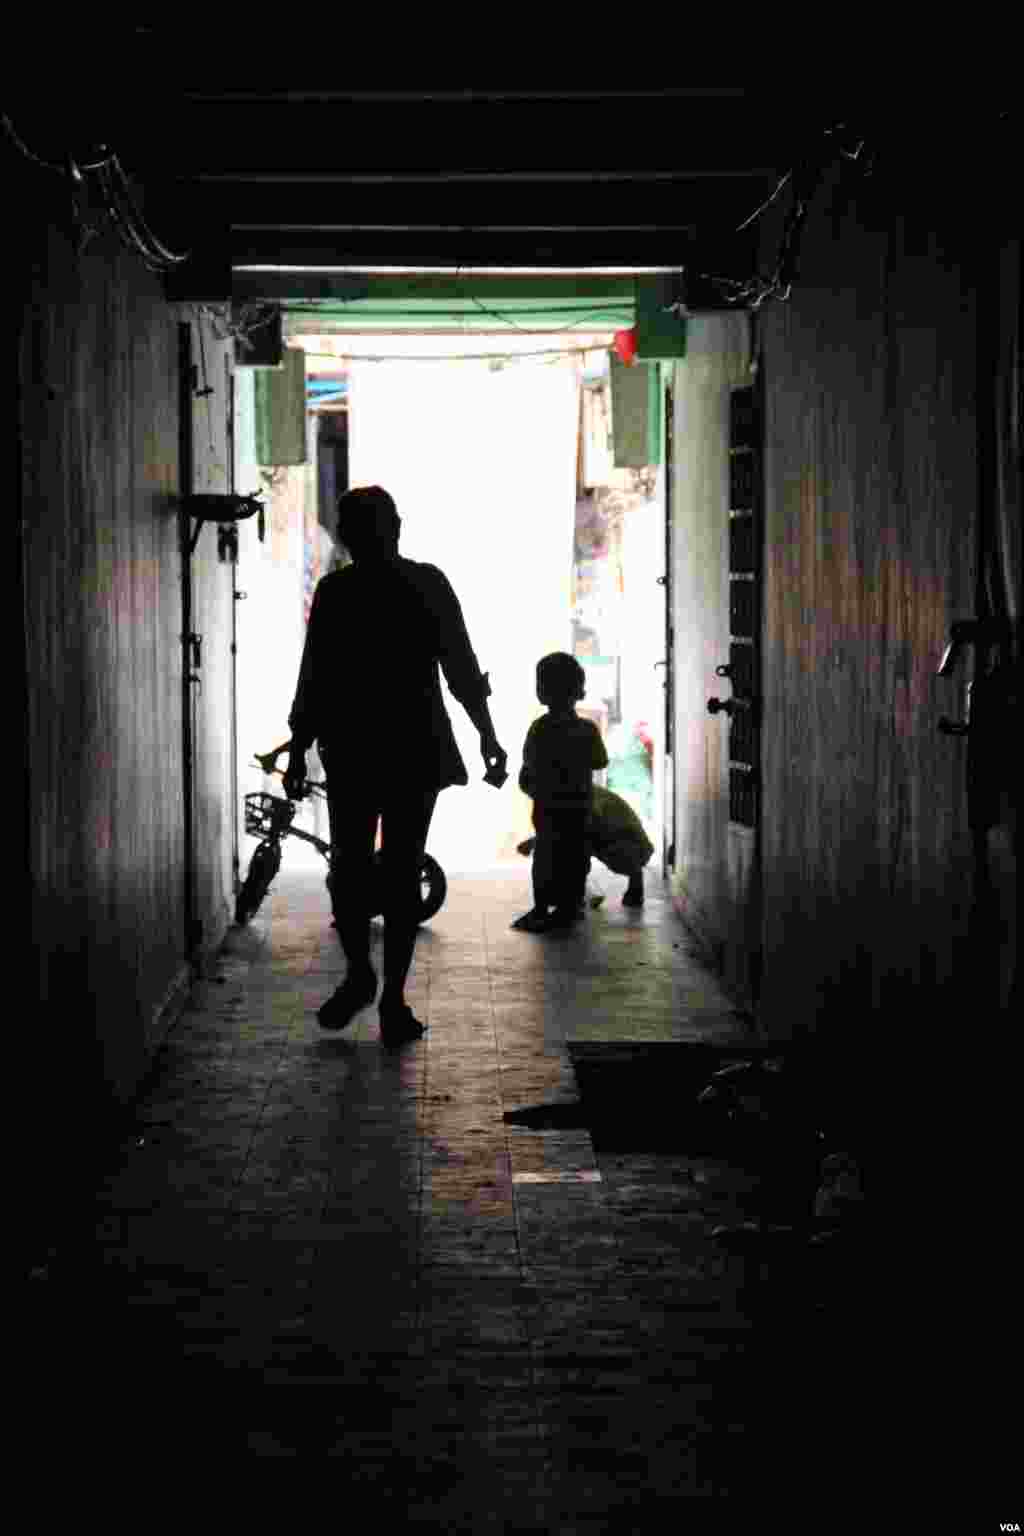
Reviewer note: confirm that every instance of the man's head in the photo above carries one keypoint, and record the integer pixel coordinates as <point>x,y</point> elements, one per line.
<point>561,681</point>
<point>368,523</point>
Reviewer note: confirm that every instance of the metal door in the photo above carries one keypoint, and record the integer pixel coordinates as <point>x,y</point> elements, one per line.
<point>191,643</point>
<point>668,772</point>
<point>742,670</point>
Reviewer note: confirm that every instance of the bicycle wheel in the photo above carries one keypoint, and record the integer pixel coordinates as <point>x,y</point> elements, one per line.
<point>266,862</point>
<point>433,887</point>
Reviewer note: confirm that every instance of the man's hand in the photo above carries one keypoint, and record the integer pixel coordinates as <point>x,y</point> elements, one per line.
<point>295,776</point>
<point>495,759</point>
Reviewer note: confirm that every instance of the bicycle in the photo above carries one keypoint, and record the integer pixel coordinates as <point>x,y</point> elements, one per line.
<point>270,818</point>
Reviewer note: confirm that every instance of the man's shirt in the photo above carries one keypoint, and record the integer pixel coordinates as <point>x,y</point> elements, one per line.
<point>560,755</point>
<point>369,690</point>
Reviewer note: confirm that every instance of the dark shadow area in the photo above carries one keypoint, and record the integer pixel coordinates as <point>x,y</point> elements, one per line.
<point>790,1130</point>
<point>643,1097</point>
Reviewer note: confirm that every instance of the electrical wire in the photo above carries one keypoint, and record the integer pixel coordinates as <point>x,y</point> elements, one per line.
<point>459,357</point>
<point>766,204</point>
<point>494,315</point>
<point>118,196</point>
<point>297,307</point>
<point>124,227</point>
<point>756,290</point>
<point>52,165</point>
<point>118,201</point>
<point>227,328</point>
<point>172,258</point>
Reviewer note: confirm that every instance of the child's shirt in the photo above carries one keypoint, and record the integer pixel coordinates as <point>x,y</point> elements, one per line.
<point>560,755</point>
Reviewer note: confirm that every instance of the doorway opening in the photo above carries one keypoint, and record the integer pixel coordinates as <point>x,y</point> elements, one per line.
<point>500,453</point>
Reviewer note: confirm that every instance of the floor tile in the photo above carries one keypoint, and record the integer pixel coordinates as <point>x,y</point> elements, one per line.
<point>490,1326</point>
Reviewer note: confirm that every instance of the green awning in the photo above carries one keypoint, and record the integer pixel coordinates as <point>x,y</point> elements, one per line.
<point>437,303</point>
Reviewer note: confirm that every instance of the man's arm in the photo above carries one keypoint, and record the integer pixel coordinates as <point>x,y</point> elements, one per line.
<point>302,720</point>
<point>462,672</point>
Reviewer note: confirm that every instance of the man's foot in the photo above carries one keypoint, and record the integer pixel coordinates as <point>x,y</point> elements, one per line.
<point>565,917</point>
<point>398,1024</point>
<point>546,922</point>
<point>530,919</point>
<point>355,993</point>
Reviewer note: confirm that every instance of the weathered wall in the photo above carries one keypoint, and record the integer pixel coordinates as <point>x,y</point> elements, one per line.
<point>271,622</point>
<point>714,868</point>
<point>99,424</point>
<point>214,793</point>
<point>871,493</point>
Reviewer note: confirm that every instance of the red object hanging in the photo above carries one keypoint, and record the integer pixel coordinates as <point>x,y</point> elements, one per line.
<point>624,343</point>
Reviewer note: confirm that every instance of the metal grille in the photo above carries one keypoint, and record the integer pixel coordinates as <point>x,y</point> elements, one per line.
<point>742,418</point>
<point>741,481</point>
<point>744,605</point>
<point>741,738</point>
<point>742,550</point>
<point>741,609</point>
<point>742,797</point>
<point>741,669</point>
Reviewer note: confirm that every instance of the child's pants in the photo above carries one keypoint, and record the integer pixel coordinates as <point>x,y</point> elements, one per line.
<point>560,858</point>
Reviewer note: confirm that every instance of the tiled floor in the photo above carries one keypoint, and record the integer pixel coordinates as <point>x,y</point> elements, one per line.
<point>312,1246</point>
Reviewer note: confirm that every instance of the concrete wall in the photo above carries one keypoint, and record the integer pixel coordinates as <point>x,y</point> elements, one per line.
<point>871,498</point>
<point>871,385</point>
<point>215,794</point>
<point>102,571</point>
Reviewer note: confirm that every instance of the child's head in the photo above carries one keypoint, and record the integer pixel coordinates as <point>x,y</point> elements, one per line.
<point>561,681</point>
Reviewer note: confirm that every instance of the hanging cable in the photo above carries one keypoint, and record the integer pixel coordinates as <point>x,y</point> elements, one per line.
<point>766,204</point>
<point>227,326</point>
<point>119,202</point>
<point>61,168</point>
<point>124,228</point>
<point>803,180</point>
<point>172,258</point>
<point>460,357</point>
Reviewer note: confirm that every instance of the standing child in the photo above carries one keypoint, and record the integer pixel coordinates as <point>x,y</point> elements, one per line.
<point>560,755</point>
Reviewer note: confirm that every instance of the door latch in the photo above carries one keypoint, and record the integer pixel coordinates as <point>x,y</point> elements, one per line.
<point>728,706</point>
<point>195,648</point>
<point>983,634</point>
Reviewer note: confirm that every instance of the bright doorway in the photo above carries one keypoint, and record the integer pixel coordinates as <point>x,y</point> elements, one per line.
<point>481,442</point>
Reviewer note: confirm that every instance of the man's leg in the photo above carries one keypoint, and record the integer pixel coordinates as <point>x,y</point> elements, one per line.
<point>407,816</point>
<point>353,817</point>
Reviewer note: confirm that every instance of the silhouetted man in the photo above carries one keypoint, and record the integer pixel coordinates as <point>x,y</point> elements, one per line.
<point>369,694</point>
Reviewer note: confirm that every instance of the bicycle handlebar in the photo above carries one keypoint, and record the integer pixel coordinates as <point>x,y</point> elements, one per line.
<point>268,762</point>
